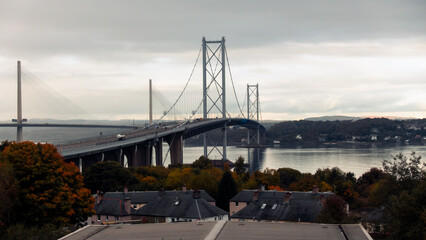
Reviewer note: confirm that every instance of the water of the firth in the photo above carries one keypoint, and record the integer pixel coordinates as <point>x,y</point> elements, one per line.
<point>356,160</point>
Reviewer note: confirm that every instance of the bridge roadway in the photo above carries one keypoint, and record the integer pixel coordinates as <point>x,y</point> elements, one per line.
<point>67,125</point>
<point>138,144</point>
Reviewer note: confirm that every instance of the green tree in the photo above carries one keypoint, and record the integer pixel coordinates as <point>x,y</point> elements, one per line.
<point>202,163</point>
<point>367,179</point>
<point>45,232</point>
<point>108,177</point>
<point>407,171</point>
<point>227,189</point>
<point>288,176</point>
<point>239,166</point>
<point>405,215</point>
<point>204,181</point>
<point>51,191</point>
<point>406,208</point>
<point>8,192</point>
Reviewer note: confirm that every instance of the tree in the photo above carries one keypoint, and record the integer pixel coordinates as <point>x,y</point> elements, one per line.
<point>51,191</point>
<point>406,206</point>
<point>239,166</point>
<point>369,178</point>
<point>334,210</point>
<point>227,189</point>
<point>407,171</point>
<point>288,176</point>
<point>202,163</point>
<point>204,181</point>
<point>179,177</point>
<point>108,177</point>
<point>8,192</point>
<point>405,215</point>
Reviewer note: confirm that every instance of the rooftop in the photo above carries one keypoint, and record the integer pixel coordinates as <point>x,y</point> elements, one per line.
<point>182,206</point>
<point>221,231</point>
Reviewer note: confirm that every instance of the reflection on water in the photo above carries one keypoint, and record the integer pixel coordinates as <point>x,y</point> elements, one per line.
<point>356,160</point>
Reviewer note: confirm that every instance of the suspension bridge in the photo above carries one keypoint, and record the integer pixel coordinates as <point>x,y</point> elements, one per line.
<point>185,118</point>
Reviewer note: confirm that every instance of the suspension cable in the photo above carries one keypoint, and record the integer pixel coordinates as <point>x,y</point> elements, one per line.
<point>186,85</point>
<point>232,81</point>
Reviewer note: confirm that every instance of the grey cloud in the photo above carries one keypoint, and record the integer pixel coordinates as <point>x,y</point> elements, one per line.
<point>152,26</point>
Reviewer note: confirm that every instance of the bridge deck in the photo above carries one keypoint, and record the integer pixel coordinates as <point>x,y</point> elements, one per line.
<point>187,129</point>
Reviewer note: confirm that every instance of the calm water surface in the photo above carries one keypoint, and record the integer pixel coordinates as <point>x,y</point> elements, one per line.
<point>356,160</point>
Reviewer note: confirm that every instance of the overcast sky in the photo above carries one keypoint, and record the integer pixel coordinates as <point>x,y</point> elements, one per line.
<point>310,58</point>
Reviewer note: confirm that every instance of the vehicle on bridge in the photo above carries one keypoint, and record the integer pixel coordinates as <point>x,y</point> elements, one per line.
<point>120,137</point>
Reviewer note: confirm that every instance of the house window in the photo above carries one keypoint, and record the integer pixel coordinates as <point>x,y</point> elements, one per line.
<point>106,218</point>
<point>236,204</point>
<point>99,217</point>
<point>116,218</point>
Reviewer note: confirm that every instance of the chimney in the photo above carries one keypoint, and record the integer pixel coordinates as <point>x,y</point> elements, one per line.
<point>184,188</point>
<point>127,205</point>
<point>126,189</point>
<point>196,194</point>
<point>99,196</point>
<point>287,197</point>
<point>255,196</point>
<point>315,190</point>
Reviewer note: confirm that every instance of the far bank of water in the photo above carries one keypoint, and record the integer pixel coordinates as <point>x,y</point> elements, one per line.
<point>356,160</point>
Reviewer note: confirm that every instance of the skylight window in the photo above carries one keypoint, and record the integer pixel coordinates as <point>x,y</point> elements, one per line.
<point>275,206</point>
<point>263,206</point>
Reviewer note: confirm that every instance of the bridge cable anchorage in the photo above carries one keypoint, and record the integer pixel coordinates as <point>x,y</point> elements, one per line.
<point>233,86</point>
<point>186,85</point>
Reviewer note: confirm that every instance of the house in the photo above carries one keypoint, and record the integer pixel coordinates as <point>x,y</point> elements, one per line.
<point>122,206</point>
<point>181,207</point>
<point>374,222</point>
<point>278,206</point>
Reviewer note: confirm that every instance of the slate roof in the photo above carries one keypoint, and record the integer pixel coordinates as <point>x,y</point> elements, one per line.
<point>270,205</point>
<point>113,202</point>
<point>247,195</point>
<point>143,197</point>
<point>112,207</point>
<point>375,216</point>
<point>181,206</point>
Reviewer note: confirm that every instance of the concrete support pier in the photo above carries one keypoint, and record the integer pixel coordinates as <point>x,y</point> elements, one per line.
<point>159,152</point>
<point>176,149</point>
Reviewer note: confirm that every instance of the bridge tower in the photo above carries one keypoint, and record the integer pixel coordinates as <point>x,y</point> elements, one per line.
<point>19,120</point>
<point>214,71</point>
<point>253,136</point>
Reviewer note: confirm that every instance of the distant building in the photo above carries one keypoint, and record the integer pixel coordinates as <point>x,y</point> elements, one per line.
<point>278,206</point>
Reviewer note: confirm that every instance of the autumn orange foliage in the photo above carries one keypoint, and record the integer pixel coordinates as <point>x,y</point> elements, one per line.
<point>50,190</point>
